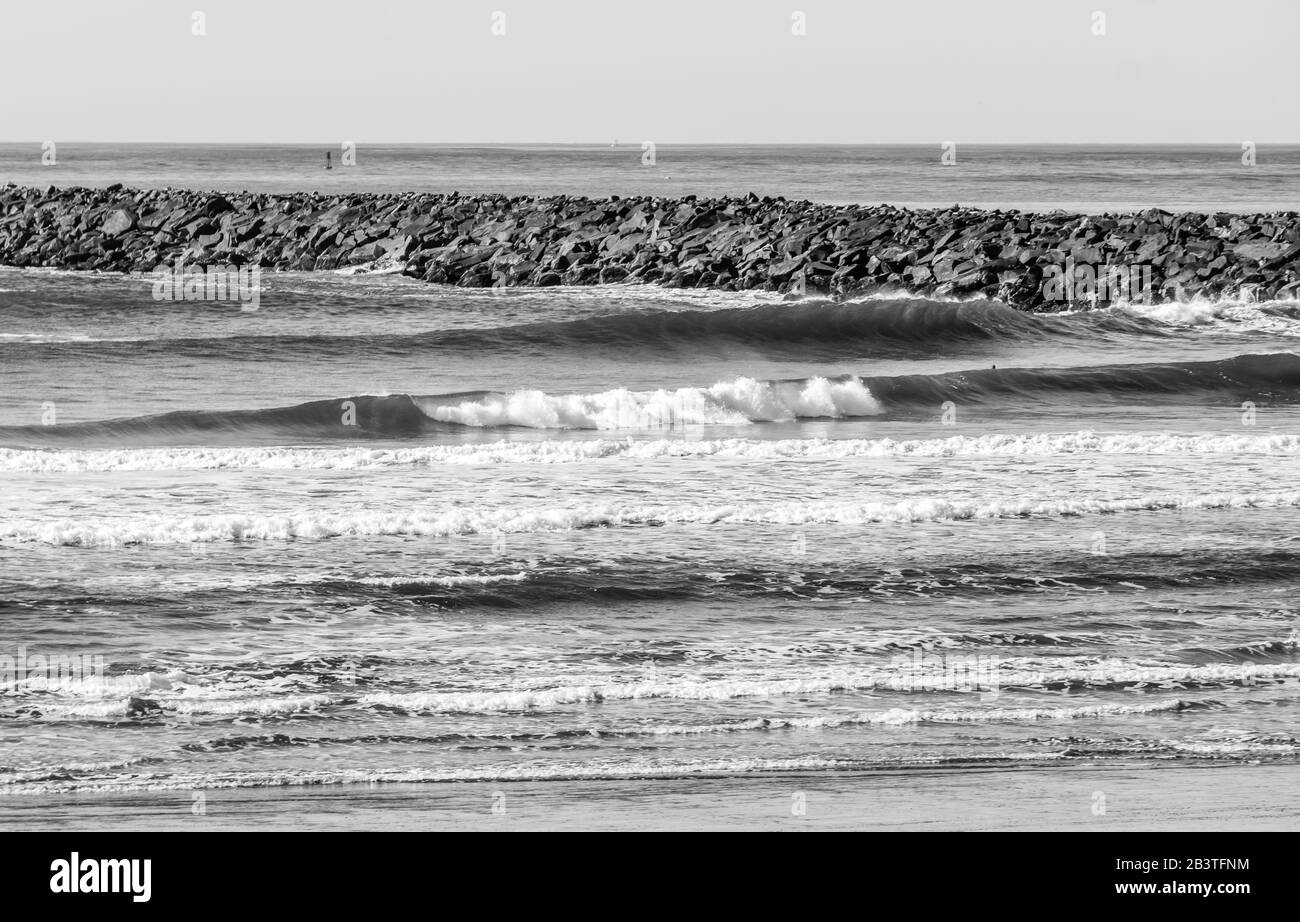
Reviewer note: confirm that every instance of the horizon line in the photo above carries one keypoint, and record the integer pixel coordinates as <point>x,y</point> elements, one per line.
<point>636,144</point>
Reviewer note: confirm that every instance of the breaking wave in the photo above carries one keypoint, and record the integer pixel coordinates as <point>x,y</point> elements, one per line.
<point>441,522</point>
<point>574,451</point>
<point>739,402</point>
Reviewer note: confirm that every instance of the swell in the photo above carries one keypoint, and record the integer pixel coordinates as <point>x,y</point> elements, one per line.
<point>632,581</point>
<point>841,327</point>
<point>1256,377</point>
<point>1273,377</point>
<point>345,418</point>
<point>549,582</point>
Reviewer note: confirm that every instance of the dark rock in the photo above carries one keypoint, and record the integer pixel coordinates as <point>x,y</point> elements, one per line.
<point>137,708</point>
<point>118,222</point>
<point>735,243</point>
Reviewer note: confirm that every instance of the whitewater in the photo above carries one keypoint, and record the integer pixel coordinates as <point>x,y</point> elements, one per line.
<point>385,532</point>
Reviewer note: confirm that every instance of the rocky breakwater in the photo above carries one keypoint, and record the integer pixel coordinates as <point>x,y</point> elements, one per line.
<point>731,244</point>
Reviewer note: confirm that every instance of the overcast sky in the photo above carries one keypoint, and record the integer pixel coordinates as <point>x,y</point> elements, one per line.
<point>677,71</point>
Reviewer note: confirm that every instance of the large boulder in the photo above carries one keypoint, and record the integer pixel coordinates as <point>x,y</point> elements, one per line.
<point>118,222</point>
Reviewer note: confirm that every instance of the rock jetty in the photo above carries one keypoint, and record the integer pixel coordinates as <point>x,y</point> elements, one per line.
<point>734,243</point>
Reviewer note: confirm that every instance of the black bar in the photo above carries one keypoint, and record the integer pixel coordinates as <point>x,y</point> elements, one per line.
<point>987,872</point>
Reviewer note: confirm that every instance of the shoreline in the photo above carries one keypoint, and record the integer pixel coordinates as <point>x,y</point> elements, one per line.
<point>1033,261</point>
<point>1134,797</point>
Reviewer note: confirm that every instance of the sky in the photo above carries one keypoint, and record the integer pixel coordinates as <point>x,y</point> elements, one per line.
<point>675,71</point>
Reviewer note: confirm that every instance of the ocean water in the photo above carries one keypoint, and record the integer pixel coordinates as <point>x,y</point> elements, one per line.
<point>1087,178</point>
<point>378,531</point>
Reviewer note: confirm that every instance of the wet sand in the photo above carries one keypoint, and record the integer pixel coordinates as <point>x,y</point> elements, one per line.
<point>1138,798</point>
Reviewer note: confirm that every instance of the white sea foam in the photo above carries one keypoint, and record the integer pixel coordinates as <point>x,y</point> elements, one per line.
<point>1239,747</point>
<point>52,338</point>
<point>1224,316</point>
<point>387,264</point>
<point>551,770</point>
<point>234,705</point>
<point>603,297</point>
<point>521,771</point>
<point>28,774</point>
<point>907,716</point>
<point>218,696</point>
<point>899,679</point>
<point>586,450</point>
<point>467,579</point>
<point>443,522</point>
<point>732,403</point>
<point>93,685</point>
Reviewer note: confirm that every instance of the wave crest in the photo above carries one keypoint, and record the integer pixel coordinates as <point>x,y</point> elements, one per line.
<point>737,402</point>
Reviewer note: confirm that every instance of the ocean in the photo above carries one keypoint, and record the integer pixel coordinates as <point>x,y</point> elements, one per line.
<point>1085,178</point>
<point>380,532</point>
